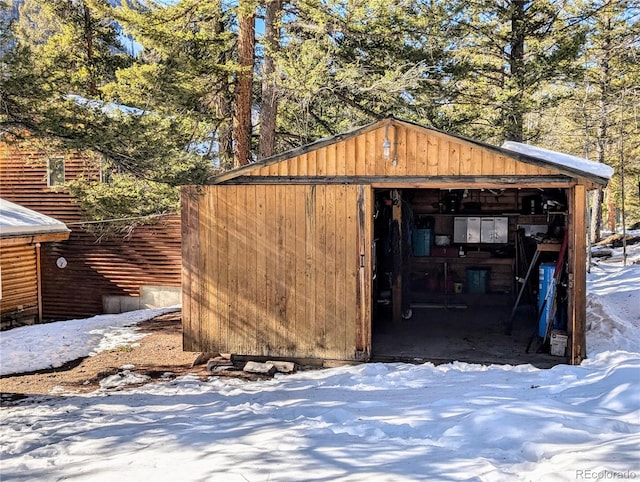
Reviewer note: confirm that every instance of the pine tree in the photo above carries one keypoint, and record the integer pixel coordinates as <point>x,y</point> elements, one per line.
<point>507,51</point>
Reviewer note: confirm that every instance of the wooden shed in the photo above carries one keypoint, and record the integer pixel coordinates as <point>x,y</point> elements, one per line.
<point>393,241</point>
<point>22,233</point>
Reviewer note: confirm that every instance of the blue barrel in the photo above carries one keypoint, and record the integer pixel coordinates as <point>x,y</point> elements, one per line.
<point>545,284</point>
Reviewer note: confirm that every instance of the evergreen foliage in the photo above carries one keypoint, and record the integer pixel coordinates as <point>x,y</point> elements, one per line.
<point>537,71</point>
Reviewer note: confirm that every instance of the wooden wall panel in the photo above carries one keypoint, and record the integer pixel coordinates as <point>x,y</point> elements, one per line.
<point>419,151</point>
<point>285,278</point>
<point>117,266</point>
<point>19,302</point>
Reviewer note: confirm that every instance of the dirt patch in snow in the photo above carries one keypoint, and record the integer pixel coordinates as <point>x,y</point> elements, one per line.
<point>158,355</point>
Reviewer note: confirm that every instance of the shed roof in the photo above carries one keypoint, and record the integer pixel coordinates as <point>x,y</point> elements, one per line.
<point>16,220</point>
<point>566,164</point>
<point>579,165</point>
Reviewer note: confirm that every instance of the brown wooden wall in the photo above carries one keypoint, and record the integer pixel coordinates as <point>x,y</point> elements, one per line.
<point>275,270</point>
<point>19,303</point>
<point>420,152</point>
<point>150,256</point>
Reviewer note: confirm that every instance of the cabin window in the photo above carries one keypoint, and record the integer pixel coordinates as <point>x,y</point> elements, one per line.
<point>55,171</point>
<point>106,171</point>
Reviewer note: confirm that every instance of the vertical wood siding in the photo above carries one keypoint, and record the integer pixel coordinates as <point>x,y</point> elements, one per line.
<point>419,152</point>
<point>150,256</point>
<point>274,270</point>
<point>19,303</point>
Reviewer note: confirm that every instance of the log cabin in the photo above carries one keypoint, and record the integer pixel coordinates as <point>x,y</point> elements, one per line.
<point>100,274</point>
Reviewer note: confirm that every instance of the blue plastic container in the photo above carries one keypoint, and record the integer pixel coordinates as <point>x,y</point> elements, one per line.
<point>545,285</point>
<point>477,280</point>
<point>421,240</point>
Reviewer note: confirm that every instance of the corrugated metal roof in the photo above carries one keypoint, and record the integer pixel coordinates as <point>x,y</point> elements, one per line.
<point>16,220</point>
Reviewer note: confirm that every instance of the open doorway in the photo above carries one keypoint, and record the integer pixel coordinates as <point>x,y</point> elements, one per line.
<point>466,275</point>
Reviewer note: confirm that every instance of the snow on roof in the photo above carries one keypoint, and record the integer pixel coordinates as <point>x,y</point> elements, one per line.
<point>16,220</point>
<point>108,108</point>
<point>574,163</point>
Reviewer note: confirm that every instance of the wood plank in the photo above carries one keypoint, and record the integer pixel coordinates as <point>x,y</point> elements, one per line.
<point>411,155</point>
<point>421,182</point>
<point>341,161</point>
<point>291,287</point>
<point>283,167</point>
<point>465,160</point>
<point>578,302</point>
<point>237,272</point>
<point>251,253</point>
<point>303,167</point>
<point>312,166</point>
<point>262,255</point>
<point>400,155</point>
<point>360,156</point>
<point>432,155</point>
<point>351,265</point>
<point>476,160</point>
<point>364,231</point>
<point>190,252</point>
<point>321,161</point>
<point>509,165</point>
<point>422,153</point>
<point>310,268</point>
<point>271,233</point>
<point>293,166</point>
<point>320,243</point>
<point>487,163</point>
<point>454,158</point>
<point>341,268</point>
<point>498,166</point>
<point>444,151</point>
<point>300,324</point>
<point>218,290</point>
<point>331,161</point>
<point>374,143</point>
<point>280,275</point>
<point>334,224</point>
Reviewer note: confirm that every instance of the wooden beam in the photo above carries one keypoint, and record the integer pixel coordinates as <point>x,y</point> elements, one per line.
<point>34,238</point>
<point>39,282</point>
<point>396,237</point>
<point>577,276</point>
<point>418,182</point>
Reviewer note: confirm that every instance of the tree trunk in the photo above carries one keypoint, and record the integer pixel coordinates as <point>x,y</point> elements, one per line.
<point>92,88</point>
<point>244,82</point>
<point>603,123</point>
<point>269,105</point>
<point>514,117</point>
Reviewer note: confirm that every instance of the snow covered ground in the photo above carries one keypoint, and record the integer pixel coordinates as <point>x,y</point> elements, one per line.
<point>391,422</point>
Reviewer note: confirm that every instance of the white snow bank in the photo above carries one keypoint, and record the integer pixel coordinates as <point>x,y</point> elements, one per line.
<point>370,422</point>
<point>51,345</point>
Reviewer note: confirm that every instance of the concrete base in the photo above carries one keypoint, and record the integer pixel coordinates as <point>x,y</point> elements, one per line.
<point>160,296</point>
<point>150,297</point>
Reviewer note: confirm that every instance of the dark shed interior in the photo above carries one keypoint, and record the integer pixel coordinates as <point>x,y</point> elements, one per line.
<point>476,268</point>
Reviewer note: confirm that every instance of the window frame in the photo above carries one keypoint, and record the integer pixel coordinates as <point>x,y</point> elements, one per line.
<point>55,173</point>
